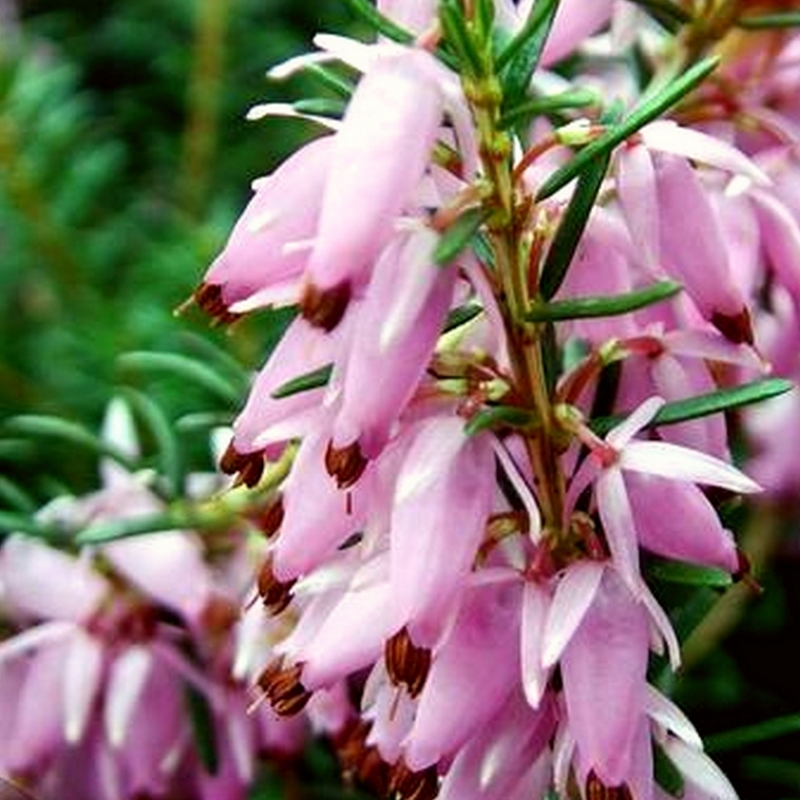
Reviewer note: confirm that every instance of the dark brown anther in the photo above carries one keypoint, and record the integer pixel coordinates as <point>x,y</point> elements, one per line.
<point>597,790</point>
<point>208,296</point>
<point>252,471</point>
<point>283,689</point>
<point>138,624</point>
<point>249,466</point>
<point>324,308</point>
<point>219,615</point>
<point>361,764</point>
<point>737,328</point>
<point>268,519</point>
<point>275,594</point>
<point>232,460</point>
<point>406,784</point>
<point>406,663</point>
<point>345,464</point>
<point>269,674</point>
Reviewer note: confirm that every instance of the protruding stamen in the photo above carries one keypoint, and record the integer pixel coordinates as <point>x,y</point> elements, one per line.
<point>275,594</point>
<point>282,687</point>
<point>249,466</point>
<point>406,784</point>
<point>361,764</point>
<point>406,663</point>
<point>345,464</point>
<point>208,296</point>
<point>737,328</point>
<point>268,520</point>
<point>324,308</point>
<point>597,790</point>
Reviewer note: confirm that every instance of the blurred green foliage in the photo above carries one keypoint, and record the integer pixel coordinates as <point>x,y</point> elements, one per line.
<point>124,160</point>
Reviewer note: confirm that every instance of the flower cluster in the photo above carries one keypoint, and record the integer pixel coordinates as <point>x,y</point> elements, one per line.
<point>499,398</point>
<point>108,650</point>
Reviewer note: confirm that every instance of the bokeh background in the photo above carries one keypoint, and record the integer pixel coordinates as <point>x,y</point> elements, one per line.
<point>124,160</point>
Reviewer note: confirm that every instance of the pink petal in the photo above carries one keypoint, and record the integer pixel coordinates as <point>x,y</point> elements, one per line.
<point>379,157</point>
<point>695,251</point>
<point>152,562</point>
<point>674,519</point>
<point>619,436</point>
<point>74,589</point>
<point>682,463</point>
<point>604,668</point>
<point>669,137</point>
<point>443,483</point>
<point>126,681</point>
<point>575,21</point>
<point>535,601</point>
<point>573,596</point>
<point>700,770</point>
<point>351,636</point>
<point>636,187</point>
<point>472,673</point>
<point>618,525</point>
<point>83,669</point>
<point>311,531</point>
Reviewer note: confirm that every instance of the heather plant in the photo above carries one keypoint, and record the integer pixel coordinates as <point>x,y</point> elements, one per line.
<point>539,277</point>
<point>530,270</point>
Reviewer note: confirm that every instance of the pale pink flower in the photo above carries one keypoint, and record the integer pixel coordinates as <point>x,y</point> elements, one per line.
<point>379,156</point>
<point>267,250</point>
<point>392,341</point>
<point>621,454</point>
<point>441,481</point>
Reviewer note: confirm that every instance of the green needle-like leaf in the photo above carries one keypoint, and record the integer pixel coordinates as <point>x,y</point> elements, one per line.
<point>688,574</point>
<point>183,367</point>
<point>573,223</point>
<point>484,18</point>
<point>458,235</point>
<point>203,728</point>
<point>378,22</point>
<point>124,528</point>
<point>753,734</point>
<point>549,104</point>
<point>705,404</point>
<point>462,315</point>
<point>16,496</point>
<point>602,306</point>
<point>320,106</point>
<point>521,56</point>
<point>459,38</point>
<point>328,78</point>
<point>163,433</point>
<point>788,19</point>
<point>647,111</point>
<point>498,417</point>
<point>540,17</point>
<point>203,420</point>
<point>303,383</point>
<point>12,522</point>
<point>72,432</point>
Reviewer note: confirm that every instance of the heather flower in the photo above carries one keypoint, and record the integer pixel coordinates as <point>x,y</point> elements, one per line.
<point>620,454</point>
<point>267,252</point>
<point>397,108</point>
<point>94,680</point>
<point>456,545</point>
